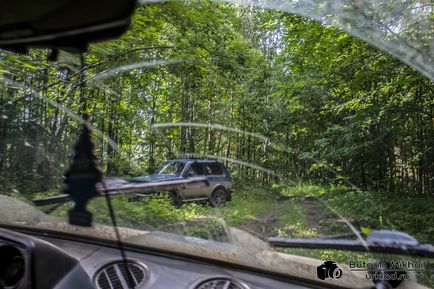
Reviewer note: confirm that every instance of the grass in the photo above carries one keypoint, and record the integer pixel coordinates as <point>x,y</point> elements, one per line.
<point>249,204</point>
<point>370,210</point>
<point>365,209</point>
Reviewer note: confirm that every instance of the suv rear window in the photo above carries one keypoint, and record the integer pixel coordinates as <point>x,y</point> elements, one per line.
<point>213,169</point>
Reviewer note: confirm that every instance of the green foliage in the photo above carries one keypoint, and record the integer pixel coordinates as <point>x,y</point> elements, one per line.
<point>300,190</point>
<point>194,219</point>
<point>326,106</point>
<point>376,210</point>
<point>367,210</point>
<point>312,104</point>
<point>247,202</point>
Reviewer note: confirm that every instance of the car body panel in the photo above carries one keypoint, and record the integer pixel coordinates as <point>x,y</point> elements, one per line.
<point>194,168</point>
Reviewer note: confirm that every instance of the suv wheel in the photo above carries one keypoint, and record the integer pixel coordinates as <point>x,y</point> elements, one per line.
<point>175,199</point>
<point>219,198</point>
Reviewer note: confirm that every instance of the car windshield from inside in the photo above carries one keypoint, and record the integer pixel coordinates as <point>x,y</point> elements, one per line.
<point>310,120</point>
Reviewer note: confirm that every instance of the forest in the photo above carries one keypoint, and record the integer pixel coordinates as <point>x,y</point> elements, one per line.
<point>303,101</point>
<point>314,124</point>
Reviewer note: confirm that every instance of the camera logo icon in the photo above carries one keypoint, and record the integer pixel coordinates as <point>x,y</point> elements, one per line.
<point>327,270</point>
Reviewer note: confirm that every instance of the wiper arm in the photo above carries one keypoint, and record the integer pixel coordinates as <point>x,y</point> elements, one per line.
<point>382,241</point>
<point>126,189</point>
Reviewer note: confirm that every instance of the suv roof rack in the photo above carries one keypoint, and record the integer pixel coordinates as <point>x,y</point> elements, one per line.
<point>194,159</point>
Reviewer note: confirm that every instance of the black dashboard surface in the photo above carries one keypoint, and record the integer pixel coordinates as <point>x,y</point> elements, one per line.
<point>164,272</point>
<point>58,263</point>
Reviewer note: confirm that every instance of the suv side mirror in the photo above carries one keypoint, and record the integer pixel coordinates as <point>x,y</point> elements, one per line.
<point>189,174</point>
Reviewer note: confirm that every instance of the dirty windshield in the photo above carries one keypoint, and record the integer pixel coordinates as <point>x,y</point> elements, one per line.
<point>305,119</point>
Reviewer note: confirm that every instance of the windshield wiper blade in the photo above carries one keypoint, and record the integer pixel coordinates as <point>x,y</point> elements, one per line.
<point>381,241</point>
<point>126,189</point>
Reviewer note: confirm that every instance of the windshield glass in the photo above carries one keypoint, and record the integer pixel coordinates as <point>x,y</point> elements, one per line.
<point>309,119</point>
<point>171,168</point>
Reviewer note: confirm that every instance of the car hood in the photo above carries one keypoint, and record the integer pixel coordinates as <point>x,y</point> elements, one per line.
<point>243,249</point>
<point>154,178</point>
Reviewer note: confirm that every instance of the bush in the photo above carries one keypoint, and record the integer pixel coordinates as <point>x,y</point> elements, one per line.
<point>377,210</point>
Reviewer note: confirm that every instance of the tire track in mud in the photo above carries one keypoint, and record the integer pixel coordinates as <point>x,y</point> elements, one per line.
<point>313,211</point>
<point>269,223</point>
<point>262,225</point>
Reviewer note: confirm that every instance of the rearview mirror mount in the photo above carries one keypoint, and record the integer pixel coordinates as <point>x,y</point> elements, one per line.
<point>68,25</point>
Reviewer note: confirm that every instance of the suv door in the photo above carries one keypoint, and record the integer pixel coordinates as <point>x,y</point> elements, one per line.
<point>194,169</point>
<point>216,175</point>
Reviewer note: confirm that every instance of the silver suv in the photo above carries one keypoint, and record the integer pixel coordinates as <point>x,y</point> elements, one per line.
<point>218,192</point>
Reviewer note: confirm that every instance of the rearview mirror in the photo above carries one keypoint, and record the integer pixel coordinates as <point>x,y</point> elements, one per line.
<point>61,24</point>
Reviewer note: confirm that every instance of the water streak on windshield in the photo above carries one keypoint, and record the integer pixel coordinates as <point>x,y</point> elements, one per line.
<point>267,143</point>
<point>231,160</point>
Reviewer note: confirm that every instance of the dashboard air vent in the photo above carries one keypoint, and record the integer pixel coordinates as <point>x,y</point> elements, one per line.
<point>115,276</point>
<point>221,283</point>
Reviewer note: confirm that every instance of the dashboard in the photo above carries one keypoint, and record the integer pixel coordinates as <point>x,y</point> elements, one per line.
<point>44,262</point>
